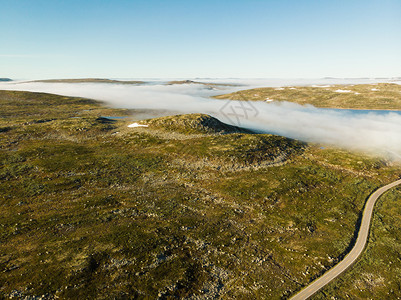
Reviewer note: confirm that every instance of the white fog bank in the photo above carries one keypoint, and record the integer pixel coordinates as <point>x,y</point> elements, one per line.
<point>377,131</point>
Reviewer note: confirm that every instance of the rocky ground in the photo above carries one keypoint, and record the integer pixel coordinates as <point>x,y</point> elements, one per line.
<point>185,208</point>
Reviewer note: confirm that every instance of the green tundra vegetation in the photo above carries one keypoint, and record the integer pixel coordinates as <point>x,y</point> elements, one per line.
<point>187,207</point>
<point>361,96</point>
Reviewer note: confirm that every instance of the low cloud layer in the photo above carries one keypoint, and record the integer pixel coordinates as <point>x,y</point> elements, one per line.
<point>374,131</point>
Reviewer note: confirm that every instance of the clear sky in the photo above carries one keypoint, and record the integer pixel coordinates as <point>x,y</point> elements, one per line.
<point>208,38</point>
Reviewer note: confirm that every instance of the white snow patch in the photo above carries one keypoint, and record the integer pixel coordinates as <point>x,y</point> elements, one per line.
<point>321,86</point>
<point>280,89</point>
<point>343,91</point>
<point>137,125</point>
<point>269,100</point>
<point>356,93</point>
<point>374,90</point>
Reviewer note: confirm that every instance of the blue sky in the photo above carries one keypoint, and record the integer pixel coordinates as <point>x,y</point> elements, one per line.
<point>231,38</point>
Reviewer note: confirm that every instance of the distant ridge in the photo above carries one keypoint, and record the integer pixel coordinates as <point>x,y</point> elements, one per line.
<point>377,96</point>
<point>90,80</point>
<point>198,82</point>
<point>5,79</point>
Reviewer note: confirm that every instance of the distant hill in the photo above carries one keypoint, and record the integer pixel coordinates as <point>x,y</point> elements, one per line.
<point>90,80</point>
<point>198,82</point>
<point>360,96</point>
<point>183,82</point>
<point>5,79</point>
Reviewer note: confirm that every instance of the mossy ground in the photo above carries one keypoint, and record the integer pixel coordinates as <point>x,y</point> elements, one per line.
<point>93,209</point>
<point>361,96</point>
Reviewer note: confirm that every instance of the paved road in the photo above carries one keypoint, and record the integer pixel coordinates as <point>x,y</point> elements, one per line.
<point>352,256</point>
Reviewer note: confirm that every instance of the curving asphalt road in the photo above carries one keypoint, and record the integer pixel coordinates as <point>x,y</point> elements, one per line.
<point>353,255</point>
